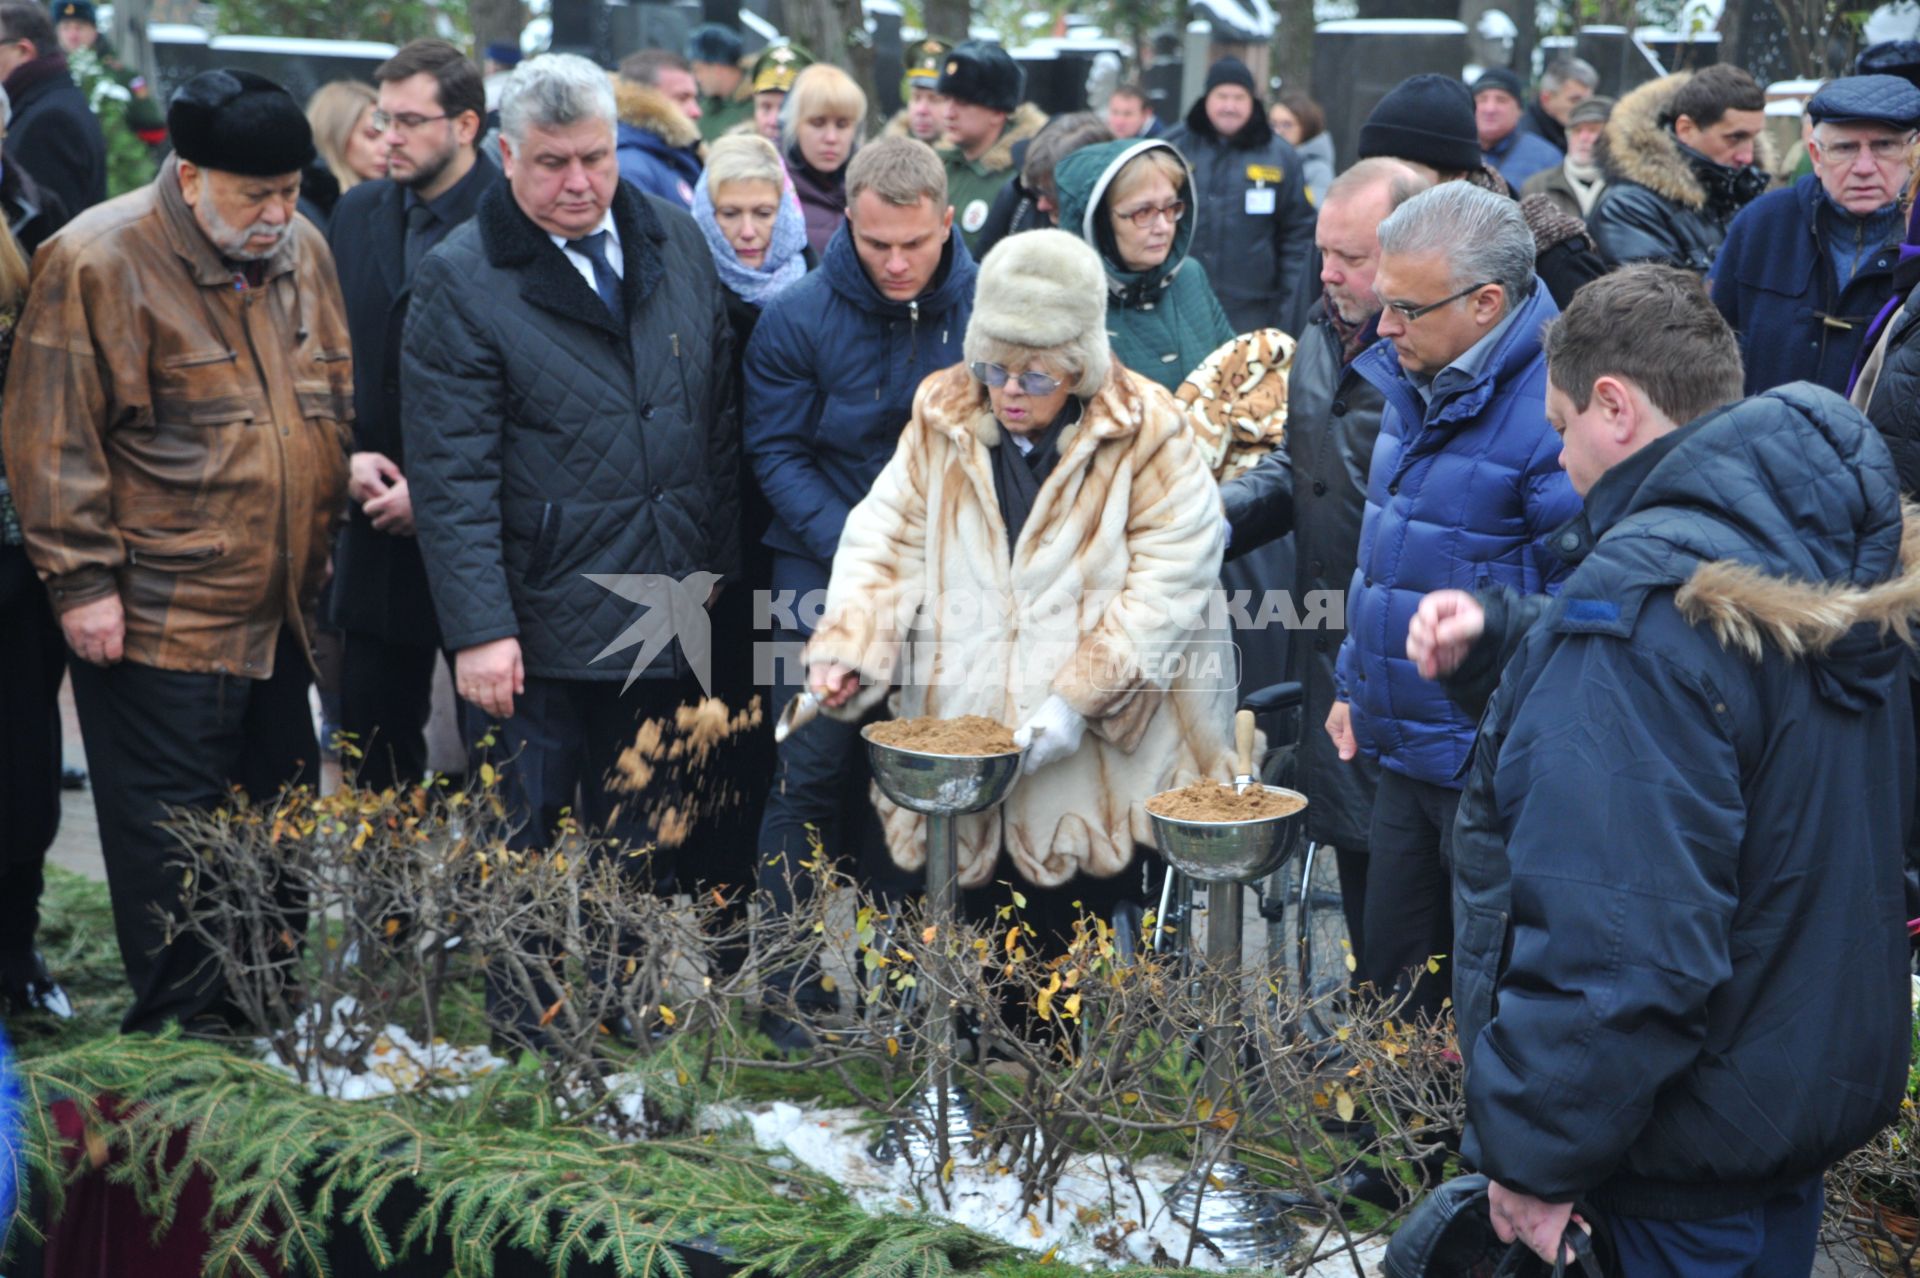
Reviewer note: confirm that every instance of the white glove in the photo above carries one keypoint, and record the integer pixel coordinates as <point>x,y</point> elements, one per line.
<point>1051,735</point>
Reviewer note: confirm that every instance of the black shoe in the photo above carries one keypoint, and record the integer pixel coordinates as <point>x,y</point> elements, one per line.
<point>73,778</point>
<point>26,989</point>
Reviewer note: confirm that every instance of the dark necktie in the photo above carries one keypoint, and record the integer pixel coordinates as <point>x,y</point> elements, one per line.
<point>605,282</point>
<point>419,218</point>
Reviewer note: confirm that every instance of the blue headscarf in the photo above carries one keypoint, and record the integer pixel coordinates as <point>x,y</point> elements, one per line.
<point>784,264</point>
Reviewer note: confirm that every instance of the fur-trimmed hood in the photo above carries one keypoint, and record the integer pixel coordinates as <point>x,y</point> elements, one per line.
<point>1778,523</point>
<point>1026,120</point>
<point>645,107</point>
<point>1639,146</point>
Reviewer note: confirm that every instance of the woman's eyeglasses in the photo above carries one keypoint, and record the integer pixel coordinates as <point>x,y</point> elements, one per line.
<point>1037,385</point>
<point>1147,214</point>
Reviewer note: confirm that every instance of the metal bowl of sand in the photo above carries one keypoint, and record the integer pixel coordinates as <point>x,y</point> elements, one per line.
<point>1237,833</point>
<point>937,783</point>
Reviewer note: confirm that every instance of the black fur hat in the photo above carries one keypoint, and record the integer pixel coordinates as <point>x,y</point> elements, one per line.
<point>983,74</point>
<point>239,122</point>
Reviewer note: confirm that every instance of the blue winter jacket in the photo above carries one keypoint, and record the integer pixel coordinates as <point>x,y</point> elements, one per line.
<point>647,161</point>
<point>1680,959</point>
<point>1520,155</point>
<point>1774,281</point>
<point>1464,493</point>
<point>830,374</point>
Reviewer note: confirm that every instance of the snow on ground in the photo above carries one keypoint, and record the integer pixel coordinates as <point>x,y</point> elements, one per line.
<point>1095,1218</point>
<point>1098,1216</point>
<point>395,1061</point>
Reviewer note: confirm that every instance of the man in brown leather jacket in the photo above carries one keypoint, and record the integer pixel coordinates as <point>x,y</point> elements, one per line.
<point>176,430</point>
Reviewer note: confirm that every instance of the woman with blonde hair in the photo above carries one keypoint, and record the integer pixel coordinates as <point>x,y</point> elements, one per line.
<point>350,146</point>
<point>823,123</point>
<point>746,208</point>
<point>1132,201</point>
<point>33,653</point>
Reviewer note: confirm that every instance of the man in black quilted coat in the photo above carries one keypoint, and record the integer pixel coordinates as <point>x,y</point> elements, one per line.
<point>572,443</point>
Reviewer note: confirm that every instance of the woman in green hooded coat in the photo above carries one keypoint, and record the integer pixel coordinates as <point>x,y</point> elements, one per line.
<point>1132,201</point>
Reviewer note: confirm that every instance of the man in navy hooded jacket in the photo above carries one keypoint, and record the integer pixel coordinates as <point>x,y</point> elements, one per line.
<point>1804,270</point>
<point>830,374</point>
<point>1462,489</point>
<point>1680,971</point>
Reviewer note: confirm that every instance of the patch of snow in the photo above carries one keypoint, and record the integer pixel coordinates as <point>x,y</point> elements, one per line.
<point>1095,1217</point>
<point>1394,26</point>
<point>396,1062</point>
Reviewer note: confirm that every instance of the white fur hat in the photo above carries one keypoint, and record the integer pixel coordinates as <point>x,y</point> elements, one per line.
<point>1047,291</point>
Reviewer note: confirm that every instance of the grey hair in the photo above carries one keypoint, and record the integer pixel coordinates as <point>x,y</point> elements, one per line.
<point>1561,70</point>
<point>6,110</point>
<point>1482,236</point>
<point>553,91</point>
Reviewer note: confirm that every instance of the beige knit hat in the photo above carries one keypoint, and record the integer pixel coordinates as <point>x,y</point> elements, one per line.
<point>1046,291</point>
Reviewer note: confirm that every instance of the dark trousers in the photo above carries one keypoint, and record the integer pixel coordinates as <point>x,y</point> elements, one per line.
<point>559,752</point>
<point>1354,867</point>
<point>1409,898</point>
<point>33,657</point>
<point>167,738</point>
<point>386,697</point>
<point>1774,1240</point>
<point>821,789</point>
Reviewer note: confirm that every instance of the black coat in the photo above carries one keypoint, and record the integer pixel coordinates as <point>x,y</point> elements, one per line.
<point>1680,959</point>
<point>545,442</point>
<point>54,133</point>
<point>1894,408</point>
<point>1536,121</point>
<point>33,212</point>
<point>1015,209</point>
<point>1317,487</point>
<point>1253,259</point>
<point>379,582</point>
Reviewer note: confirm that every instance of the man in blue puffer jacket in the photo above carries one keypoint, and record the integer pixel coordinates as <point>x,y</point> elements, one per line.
<point>830,375</point>
<point>1464,489</point>
<point>1680,976</point>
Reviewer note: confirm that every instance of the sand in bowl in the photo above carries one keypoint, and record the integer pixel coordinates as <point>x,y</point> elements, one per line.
<point>970,735</point>
<point>1214,801</point>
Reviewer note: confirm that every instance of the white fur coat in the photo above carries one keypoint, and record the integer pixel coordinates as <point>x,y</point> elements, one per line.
<point>1103,601</point>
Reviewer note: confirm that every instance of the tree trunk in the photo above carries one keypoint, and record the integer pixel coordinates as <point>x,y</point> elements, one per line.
<point>948,20</point>
<point>835,31</point>
<point>1293,44</point>
<point>495,22</point>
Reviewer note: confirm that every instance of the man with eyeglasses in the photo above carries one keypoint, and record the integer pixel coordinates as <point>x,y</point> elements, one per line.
<point>432,100</point>
<point>1464,488</point>
<point>1805,270</point>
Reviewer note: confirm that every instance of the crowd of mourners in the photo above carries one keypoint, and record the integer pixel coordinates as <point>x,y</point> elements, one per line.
<point>1591,418</point>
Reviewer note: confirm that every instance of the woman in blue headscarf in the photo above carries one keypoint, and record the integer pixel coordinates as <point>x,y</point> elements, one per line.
<point>746,207</point>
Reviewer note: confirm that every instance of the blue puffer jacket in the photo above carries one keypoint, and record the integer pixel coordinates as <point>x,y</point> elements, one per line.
<point>657,147</point>
<point>830,374</point>
<point>1774,281</point>
<point>1465,494</point>
<point>1520,155</point>
<point>1680,965</point>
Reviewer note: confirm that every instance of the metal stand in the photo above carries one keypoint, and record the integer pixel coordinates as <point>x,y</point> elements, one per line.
<point>941,788</point>
<point>1220,1201</point>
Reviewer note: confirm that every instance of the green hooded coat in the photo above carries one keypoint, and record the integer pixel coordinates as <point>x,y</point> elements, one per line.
<point>1164,321</point>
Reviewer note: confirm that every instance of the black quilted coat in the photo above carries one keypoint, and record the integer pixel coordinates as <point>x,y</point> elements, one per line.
<point>545,444</point>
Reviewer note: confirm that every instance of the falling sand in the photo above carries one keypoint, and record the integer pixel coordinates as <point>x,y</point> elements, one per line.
<point>683,748</point>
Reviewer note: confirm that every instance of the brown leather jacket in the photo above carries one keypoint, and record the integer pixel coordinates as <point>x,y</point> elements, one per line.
<point>176,437</point>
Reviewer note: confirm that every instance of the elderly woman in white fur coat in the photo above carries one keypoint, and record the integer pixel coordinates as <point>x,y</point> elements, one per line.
<point>1040,551</point>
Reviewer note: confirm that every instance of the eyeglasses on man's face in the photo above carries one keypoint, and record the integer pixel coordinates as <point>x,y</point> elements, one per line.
<point>1036,384</point>
<point>1408,312</point>
<point>1883,150</point>
<point>406,122</point>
